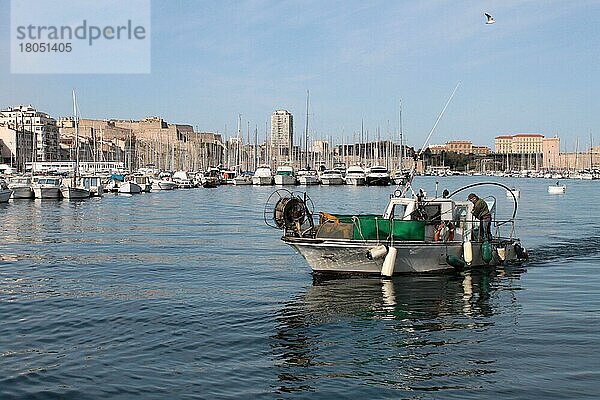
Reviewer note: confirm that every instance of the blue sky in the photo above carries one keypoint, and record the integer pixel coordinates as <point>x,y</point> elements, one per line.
<point>536,69</point>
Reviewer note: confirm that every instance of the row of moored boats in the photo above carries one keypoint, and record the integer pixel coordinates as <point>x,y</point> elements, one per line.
<point>354,175</point>
<point>79,187</point>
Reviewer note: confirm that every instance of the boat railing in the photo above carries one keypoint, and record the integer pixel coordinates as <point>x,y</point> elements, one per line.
<point>500,228</point>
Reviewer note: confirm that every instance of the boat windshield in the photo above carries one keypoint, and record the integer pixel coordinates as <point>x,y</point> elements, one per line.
<point>399,210</point>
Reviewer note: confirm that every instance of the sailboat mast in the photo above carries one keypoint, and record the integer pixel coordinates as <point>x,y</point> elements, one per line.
<point>591,155</point>
<point>76,123</point>
<point>401,136</point>
<point>306,131</point>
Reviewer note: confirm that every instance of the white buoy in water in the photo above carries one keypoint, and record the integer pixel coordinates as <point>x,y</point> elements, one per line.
<point>389,262</point>
<point>378,251</point>
<point>468,252</point>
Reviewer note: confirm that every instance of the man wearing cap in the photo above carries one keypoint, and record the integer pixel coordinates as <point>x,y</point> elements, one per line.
<point>482,213</point>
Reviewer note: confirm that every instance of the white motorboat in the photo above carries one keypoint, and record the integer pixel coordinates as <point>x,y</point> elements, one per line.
<point>284,175</point>
<point>331,177</point>
<point>307,177</point>
<point>355,176</point>
<point>47,187</point>
<point>143,181</point>
<point>413,235</point>
<point>245,178</point>
<point>262,176</point>
<point>163,184</point>
<point>557,189</point>
<point>130,187</point>
<point>21,187</point>
<point>378,175</point>
<point>182,179</point>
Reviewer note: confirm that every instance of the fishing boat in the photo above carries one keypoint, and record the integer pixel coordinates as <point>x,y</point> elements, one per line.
<point>284,175</point>
<point>414,234</point>
<point>355,176</point>
<point>378,175</point>
<point>307,177</point>
<point>557,189</point>
<point>262,176</point>
<point>21,187</point>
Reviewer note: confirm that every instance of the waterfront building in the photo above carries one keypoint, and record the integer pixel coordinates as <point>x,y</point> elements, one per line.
<point>44,130</point>
<point>529,151</point>
<point>459,147</point>
<point>16,146</point>
<point>150,140</point>
<point>282,135</point>
<point>551,152</point>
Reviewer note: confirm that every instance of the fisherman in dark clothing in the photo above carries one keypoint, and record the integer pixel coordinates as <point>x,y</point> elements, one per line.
<point>482,213</point>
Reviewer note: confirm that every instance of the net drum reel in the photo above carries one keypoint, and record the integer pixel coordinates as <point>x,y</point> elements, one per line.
<point>289,211</point>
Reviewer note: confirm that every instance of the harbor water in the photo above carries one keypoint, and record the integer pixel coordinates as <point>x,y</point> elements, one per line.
<point>187,294</point>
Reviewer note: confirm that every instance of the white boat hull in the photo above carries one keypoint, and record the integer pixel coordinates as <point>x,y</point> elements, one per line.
<point>308,180</point>
<point>163,185</point>
<point>72,193</point>
<point>343,256</point>
<point>130,188</point>
<point>378,180</point>
<point>285,180</point>
<point>23,192</point>
<point>355,180</point>
<point>332,181</point>
<point>47,192</point>
<point>262,180</point>
<point>556,189</point>
<point>242,181</point>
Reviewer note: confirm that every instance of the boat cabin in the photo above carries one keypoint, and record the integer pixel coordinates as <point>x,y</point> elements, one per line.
<point>437,213</point>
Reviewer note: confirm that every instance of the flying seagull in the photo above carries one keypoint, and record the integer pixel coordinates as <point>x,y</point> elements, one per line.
<point>490,19</point>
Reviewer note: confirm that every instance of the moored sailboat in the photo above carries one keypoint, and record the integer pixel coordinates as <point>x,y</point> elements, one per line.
<point>73,188</point>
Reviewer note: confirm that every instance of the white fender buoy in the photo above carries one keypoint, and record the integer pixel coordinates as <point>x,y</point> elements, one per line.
<point>389,263</point>
<point>378,251</point>
<point>468,252</point>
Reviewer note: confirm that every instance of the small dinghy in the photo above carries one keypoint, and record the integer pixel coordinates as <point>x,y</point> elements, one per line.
<point>557,189</point>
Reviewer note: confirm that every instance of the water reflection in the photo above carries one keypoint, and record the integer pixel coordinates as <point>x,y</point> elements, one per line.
<point>410,333</point>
